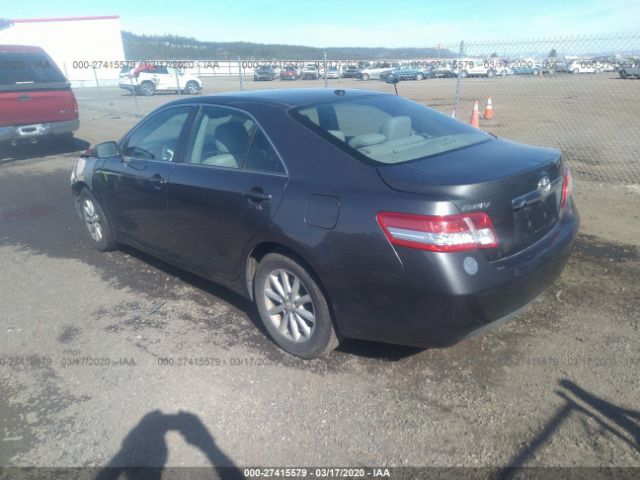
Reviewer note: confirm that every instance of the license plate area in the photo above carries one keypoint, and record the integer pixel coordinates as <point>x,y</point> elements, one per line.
<point>535,218</point>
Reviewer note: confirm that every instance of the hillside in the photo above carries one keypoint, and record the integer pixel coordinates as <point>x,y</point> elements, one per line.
<point>165,47</point>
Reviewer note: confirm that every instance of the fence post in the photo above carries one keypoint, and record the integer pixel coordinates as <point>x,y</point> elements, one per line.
<point>458,82</point>
<point>134,93</point>
<point>175,70</point>
<point>326,80</point>
<point>240,71</point>
<point>95,76</point>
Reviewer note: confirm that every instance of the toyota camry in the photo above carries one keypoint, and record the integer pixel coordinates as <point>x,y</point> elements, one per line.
<point>340,213</point>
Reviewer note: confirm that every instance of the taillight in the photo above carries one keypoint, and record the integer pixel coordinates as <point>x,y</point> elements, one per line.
<point>450,233</point>
<point>567,186</point>
<point>75,105</point>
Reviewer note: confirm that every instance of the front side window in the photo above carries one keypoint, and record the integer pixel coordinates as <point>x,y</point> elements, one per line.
<point>385,129</point>
<point>157,137</point>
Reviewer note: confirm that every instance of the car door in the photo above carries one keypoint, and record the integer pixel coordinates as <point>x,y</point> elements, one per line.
<point>226,189</point>
<point>133,186</point>
<point>173,80</point>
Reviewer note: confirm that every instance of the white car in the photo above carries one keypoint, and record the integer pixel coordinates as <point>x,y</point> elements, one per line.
<point>473,67</point>
<point>374,71</point>
<point>585,66</point>
<point>331,72</point>
<point>147,79</point>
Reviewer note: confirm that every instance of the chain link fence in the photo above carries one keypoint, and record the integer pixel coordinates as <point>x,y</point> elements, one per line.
<point>578,94</point>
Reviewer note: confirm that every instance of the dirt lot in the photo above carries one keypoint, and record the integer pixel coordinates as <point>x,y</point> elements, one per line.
<point>91,343</point>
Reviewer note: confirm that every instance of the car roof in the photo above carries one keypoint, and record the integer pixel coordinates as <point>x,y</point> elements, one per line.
<point>20,49</point>
<point>285,98</point>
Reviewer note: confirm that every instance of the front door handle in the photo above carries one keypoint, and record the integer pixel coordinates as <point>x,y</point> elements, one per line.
<point>257,194</point>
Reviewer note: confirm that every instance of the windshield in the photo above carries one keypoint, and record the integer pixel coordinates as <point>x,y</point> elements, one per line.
<point>387,129</point>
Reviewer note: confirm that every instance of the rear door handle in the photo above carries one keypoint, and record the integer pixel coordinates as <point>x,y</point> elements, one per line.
<point>158,181</point>
<point>257,194</point>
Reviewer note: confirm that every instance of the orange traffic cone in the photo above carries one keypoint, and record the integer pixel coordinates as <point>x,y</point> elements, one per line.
<point>488,112</point>
<point>475,121</point>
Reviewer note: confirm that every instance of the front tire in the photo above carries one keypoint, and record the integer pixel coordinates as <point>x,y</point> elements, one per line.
<point>95,221</point>
<point>192,87</point>
<point>419,76</point>
<point>365,76</point>
<point>293,308</point>
<point>147,88</point>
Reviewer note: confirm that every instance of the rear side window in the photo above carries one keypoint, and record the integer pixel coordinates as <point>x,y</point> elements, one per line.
<point>262,157</point>
<point>28,68</point>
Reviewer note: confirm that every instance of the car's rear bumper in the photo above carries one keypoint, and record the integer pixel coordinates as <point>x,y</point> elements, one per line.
<point>37,130</point>
<point>435,302</point>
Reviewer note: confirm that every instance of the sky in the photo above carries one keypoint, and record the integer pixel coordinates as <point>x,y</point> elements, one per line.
<point>332,23</point>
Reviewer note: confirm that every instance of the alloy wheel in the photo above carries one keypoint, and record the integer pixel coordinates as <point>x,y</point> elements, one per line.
<point>92,219</point>
<point>289,306</point>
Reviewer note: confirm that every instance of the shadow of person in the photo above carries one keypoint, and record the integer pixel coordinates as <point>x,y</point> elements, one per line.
<point>144,450</point>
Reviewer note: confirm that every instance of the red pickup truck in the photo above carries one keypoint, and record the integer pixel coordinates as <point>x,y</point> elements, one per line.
<point>36,100</point>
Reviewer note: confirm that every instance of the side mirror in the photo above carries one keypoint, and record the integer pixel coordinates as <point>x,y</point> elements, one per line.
<point>106,150</point>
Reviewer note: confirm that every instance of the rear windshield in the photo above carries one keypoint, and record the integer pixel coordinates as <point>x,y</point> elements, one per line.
<point>28,68</point>
<point>386,129</point>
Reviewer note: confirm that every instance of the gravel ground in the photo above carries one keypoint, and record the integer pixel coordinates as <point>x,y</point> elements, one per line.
<point>119,358</point>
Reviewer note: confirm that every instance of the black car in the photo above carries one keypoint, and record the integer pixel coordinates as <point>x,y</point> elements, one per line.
<point>630,71</point>
<point>265,72</point>
<point>340,213</point>
<point>351,71</point>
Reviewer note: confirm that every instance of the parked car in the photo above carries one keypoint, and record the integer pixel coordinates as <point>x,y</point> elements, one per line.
<point>310,72</point>
<point>351,71</point>
<point>289,73</point>
<point>585,66</point>
<point>526,70</point>
<point>149,78</point>
<point>340,213</point>
<point>630,71</point>
<point>331,72</point>
<point>264,72</point>
<point>442,70</point>
<point>472,67</point>
<point>373,72</point>
<point>552,67</point>
<point>36,100</point>
<point>406,72</point>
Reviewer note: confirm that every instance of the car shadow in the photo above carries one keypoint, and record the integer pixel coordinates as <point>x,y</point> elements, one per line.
<point>622,423</point>
<point>43,148</point>
<point>144,451</point>
<point>358,348</point>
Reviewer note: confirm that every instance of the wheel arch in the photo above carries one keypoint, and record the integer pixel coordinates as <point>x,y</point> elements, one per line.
<point>261,249</point>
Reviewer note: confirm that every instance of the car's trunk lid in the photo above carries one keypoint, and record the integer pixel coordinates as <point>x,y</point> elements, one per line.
<point>519,186</point>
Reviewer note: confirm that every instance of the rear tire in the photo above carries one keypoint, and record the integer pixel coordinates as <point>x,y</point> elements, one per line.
<point>293,308</point>
<point>365,76</point>
<point>95,221</point>
<point>419,77</point>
